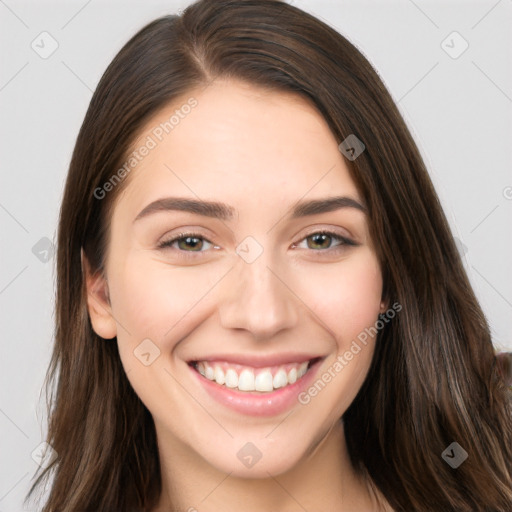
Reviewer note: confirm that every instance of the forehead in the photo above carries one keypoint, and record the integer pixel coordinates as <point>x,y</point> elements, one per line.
<point>238,140</point>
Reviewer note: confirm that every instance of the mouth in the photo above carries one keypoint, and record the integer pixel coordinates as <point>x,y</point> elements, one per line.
<point>249,379</point>
<point>262,390</point>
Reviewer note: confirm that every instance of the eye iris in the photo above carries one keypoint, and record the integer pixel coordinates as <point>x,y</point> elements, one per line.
<point>320,239</point>
<point>193,242</point>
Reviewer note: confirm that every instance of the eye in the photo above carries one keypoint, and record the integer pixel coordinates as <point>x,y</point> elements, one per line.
<point>187,242</point>
<point>319,241</point>
<point>323,241</point>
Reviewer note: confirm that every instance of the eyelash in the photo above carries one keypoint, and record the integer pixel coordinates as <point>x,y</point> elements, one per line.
<point>344,241</point>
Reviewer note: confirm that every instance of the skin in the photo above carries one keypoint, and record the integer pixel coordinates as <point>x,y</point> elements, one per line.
<point>260,152</point>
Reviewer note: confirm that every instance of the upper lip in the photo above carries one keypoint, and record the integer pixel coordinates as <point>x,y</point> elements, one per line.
<point>258,360</point>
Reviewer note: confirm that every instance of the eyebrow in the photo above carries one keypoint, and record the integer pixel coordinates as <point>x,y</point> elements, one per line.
<point>223,211</point>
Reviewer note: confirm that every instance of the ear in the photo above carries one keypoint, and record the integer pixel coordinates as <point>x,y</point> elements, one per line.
<point>98,302</point>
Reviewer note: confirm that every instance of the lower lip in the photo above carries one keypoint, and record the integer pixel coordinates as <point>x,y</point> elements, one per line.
<point>255,403</point>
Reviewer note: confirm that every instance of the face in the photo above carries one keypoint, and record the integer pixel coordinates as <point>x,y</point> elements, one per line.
<point>239,324</point>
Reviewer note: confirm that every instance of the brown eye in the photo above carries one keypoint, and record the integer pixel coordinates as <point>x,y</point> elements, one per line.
<point>324,241</point>
<point>319,241</point>
<point>190,242</point>
<point>186,242</point>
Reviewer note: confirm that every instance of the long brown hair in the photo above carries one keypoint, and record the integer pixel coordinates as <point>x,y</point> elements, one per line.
<point>433,379</point>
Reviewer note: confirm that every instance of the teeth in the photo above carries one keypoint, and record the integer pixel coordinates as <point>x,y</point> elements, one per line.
<point>264,381</point>
<point>280,379</point>
<point>208,372</point>
<point>231,378</point>
<point>248,379</point>
<point>218,375</point>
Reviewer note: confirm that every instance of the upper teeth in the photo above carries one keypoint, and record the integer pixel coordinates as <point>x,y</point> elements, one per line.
<point>252,379</point>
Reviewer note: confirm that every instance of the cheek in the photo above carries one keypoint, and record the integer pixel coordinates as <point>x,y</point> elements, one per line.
<point>151,299</point>
<point>346,296</point>
<point>157,301</point>
<point>347,303</point>
<point>154,301</point>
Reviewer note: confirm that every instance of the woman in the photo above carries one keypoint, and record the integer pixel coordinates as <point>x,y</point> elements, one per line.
<point>260,304</point>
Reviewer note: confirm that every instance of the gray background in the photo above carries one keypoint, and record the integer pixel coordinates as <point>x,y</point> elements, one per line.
<point>458,109</point>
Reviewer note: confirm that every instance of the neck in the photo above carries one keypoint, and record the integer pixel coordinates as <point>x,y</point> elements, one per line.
<point>322,480</point>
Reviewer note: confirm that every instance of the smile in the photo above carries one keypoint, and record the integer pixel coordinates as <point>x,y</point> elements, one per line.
<point>246,378</point>
<point>255,386</point>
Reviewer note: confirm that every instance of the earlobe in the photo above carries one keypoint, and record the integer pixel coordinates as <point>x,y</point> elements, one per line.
<point>98,301</point>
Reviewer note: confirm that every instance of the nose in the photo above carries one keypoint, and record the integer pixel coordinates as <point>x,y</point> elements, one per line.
<point>258,299</point>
